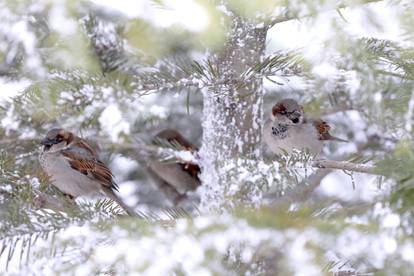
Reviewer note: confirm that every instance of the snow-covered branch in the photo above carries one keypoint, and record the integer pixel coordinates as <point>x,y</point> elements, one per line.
<point>344,165</point>
<point>303,190</point>
<point>288,15</point>
<point>165,153</point>
<point>146,152</point>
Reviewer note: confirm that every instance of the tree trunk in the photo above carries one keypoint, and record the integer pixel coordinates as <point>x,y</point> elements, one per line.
<point>232,117</point>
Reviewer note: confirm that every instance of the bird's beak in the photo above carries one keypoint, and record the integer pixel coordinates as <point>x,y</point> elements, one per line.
<point>295,117</point>
<point>47,142</point>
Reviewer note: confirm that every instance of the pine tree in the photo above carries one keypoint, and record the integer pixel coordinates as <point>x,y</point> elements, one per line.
<point>117,79</point>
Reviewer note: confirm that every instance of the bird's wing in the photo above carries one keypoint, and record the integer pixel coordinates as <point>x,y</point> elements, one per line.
<point>192,169</point>
<point>323,129</point>
<point>82,158</point>
<point>168,190</point>
<point>175,140</point>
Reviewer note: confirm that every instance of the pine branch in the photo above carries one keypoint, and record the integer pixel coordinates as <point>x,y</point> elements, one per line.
<point>45,223</point>
<point>281,63</point>
<point>394,60</point>
<point>288,14</point>
<point>346,166</point>
<point>162,153</point>
<point>175,74</point>
<point>107,45</point>
<point>305,189</point>
<point>113,55</point>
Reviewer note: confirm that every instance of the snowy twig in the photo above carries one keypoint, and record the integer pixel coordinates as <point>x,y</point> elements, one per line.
<point>287,16</point>
<point>305,189</point>
<point>346,166</point>
<point>185,156</point>
<point>166,153</point>
<point>146,152</point>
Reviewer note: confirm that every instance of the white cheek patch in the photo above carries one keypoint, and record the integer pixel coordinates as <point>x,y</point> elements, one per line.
<point>58,147</point>
<point>283,119</point>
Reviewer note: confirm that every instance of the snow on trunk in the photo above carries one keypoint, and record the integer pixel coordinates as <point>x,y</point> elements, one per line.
<point>232,120</point>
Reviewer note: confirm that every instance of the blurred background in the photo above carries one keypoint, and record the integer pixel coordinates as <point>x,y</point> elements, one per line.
<point>118,72</point>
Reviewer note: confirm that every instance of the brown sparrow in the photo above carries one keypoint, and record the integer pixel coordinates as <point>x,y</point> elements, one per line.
<point>174,179</point>
<point>289,129</point>
<point>75,169</point>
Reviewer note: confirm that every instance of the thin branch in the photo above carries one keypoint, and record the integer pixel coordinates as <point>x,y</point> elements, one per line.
<point>306,188</point>
<point>146,152</point>
<point>149,151</point>
<point>346,166</point>
<point>287,16</point>
<point>303,190</point>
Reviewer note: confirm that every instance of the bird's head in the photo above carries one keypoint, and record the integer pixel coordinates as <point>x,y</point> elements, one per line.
<point>288,112</point>
<point>57,137</point>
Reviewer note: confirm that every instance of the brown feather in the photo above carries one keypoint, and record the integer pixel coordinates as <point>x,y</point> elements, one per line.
<point>323,131</point>
<point>83,158</point>
<point>92,168</point>
<point>175,138</point>
<point>66,136</point>
<point>278,108</point>
<point>81,143</point>
<point>191,169</point>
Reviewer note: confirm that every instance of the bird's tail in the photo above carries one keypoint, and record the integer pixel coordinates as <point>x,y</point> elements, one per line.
<point>111,194</point>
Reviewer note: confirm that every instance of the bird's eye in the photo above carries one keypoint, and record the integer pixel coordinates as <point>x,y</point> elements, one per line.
<point>295,120</point>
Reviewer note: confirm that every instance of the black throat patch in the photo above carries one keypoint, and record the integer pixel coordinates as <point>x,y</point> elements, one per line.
<point>280,131</point>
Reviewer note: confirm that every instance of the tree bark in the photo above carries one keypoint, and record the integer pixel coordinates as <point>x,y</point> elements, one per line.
<point>232,115</point>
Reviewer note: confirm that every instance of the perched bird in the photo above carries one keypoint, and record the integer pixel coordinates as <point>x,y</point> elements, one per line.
<point>288,128</point>
<point>174,179</point>
<point>75,169</point>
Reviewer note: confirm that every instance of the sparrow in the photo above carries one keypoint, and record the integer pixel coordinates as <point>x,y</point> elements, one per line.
<point>177,178</point>
<point>288,128</point>
<point>75,169</point>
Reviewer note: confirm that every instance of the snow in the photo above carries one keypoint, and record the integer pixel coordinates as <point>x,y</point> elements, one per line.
<point>9,89</point>
<point>198,246</point>
<point>10,122</point>
<point>187,13</point>
<point>407,252</point>
<point>59,21</point>
<point>165,250</point>
<point>340,185</point>
<point>391,221</point>
<point>122,166</point>
<point>409,115</point>
<point>301,259</point>
<point>17,29</point>
<point>113,123</point>
<point>380,23</point>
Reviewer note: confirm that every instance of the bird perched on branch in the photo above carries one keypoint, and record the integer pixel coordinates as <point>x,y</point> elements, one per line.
<point>288,128</point>
<point>75,169</point>
<point>174,178</point>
